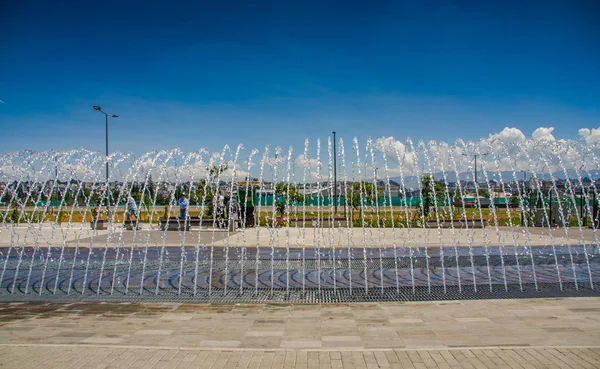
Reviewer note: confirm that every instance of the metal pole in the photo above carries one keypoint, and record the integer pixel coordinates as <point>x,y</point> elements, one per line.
<point>581,207</point>
<point>334,175</point>
<point>55,183</point>
<point>525,194</point>
<point>476,172</point>
<point>106,115</point>
<point>107,184</point>
<point>594,211</point>
<point>550,216</point>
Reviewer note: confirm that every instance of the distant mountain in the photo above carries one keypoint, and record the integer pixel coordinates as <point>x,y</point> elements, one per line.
<point>412,181</point>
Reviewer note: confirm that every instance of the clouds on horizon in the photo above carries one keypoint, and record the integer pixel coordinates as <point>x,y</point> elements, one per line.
<point>508,150</point>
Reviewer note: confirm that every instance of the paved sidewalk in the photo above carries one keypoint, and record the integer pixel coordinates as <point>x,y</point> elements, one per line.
<point>527,333</point>
<point>97,357</point>
<point>81,235</point>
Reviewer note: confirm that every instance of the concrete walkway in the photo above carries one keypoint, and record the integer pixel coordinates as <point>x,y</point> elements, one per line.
<point>96,357</point>
<point>527,333</point>
<point>81,235</point>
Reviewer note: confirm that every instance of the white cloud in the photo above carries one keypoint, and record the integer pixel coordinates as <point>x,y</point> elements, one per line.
<point>305,162</point>
<point>590,136</point>
<point>396,153</point>
<point>508,150</point>
<point>543,134</point>
<point>509,135</point>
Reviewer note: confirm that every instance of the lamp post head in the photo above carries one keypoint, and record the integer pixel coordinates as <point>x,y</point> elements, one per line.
<point>96,107</point>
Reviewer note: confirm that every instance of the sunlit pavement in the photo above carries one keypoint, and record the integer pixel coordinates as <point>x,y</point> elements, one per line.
<point>81,235</point>
<point>523,333</point>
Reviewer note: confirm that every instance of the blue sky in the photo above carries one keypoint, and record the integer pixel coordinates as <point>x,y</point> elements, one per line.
<point>205,74</point>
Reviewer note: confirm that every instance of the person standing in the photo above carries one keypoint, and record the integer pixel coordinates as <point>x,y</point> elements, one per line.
<point>183,206</point>
<point>133,211</point>
<point>235,211</point>
<point>131,208</point>
<point>96,213</point>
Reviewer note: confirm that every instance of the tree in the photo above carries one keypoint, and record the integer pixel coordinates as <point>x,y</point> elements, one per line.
<point>203,194</point>
<point>162,197</point>
<point>182,189</point>
<point>93,196</point>
<point>285,192</point>
<point>150,187</point>
<point>5,197</point>
<point>363,192</point>
<point>68,197</point>
<point>114,196</point>
<point>216,170</point>
<point>427,192</point>
<point>514,200</point>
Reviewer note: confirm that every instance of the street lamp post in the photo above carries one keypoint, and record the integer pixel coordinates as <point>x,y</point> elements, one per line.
<point>475,155</point>
<point>334,175</point>
<point>96,107</point>
<point>375,188</point>
<point>55,183</point>
<point>475,169</point>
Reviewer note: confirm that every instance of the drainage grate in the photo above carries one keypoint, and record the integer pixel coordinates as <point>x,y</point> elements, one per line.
<point>312,296</point>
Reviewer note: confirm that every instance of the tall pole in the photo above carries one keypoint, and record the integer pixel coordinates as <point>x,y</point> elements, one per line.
<point>96,107</point>
<point>107,184</point>
<point>550,216</point>
<point>594,212</point>
<point>334,175</point>
<point>581,207</point>
<point>106,148</point>
<point>55,182</point>
<point>475,170</point>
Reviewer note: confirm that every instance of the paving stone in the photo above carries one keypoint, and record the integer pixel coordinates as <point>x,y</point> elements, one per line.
<point>264,333</point>
<point>406,321</point>
<point>102,340</point>
<point>341,339</point>
<point>300,344</point>
<point>154,332</point>
<point>473,320</point>
<point>226,343</point>
<point>536,333</point>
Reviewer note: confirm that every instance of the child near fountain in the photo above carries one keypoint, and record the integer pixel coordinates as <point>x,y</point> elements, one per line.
<point>132,208</point>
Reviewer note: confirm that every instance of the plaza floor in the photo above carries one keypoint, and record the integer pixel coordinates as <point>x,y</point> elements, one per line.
<point>522,333</point>
<point>80,235</point>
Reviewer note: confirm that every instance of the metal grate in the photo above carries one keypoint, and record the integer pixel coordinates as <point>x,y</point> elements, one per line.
<point>299,281</point>
<point>312,296</point>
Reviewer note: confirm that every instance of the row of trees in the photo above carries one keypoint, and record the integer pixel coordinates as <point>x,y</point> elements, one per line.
<point>361,193</point>
<point>202,192</point>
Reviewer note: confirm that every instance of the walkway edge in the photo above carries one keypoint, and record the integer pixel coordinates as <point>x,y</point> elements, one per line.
<point>340,349</point>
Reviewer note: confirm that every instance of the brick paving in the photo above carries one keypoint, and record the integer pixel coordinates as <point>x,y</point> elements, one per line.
<point>527,333</point>
<point>105,357</point>
<point>76,234</point>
